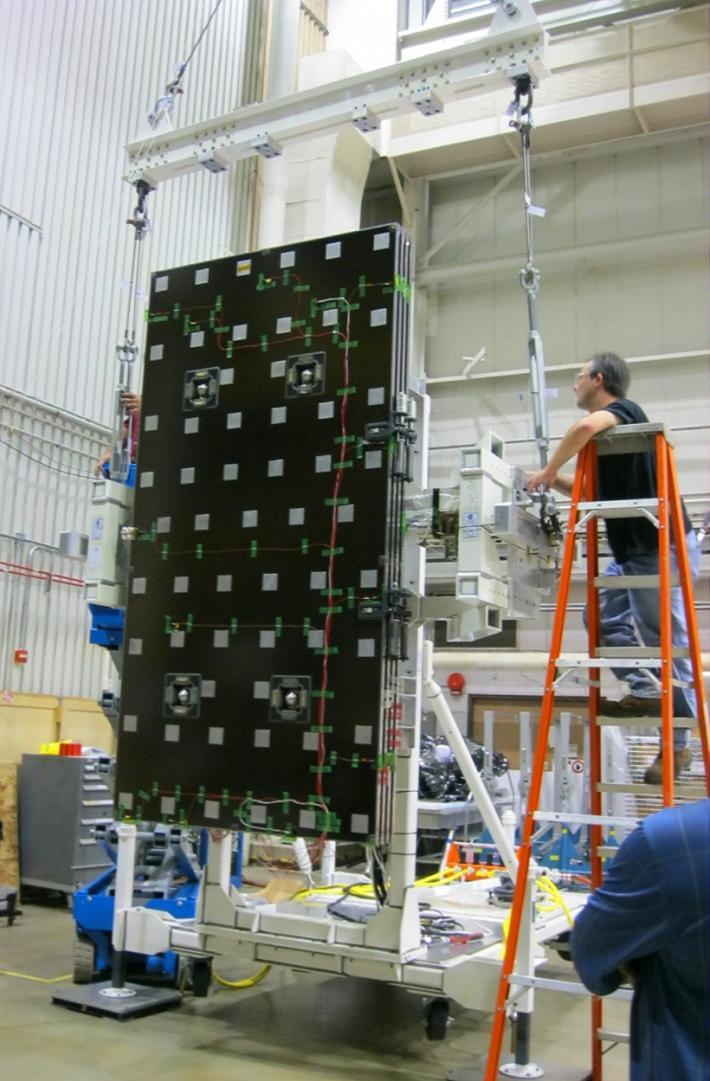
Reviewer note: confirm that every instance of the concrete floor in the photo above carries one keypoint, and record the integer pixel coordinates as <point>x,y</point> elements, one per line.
<point>291,1027</point>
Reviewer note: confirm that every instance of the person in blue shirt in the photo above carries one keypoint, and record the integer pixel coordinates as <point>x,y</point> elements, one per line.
<point>627,615</point>
<point>648,923</point>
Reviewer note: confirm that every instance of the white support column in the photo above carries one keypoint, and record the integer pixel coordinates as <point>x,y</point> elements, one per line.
<point>439,706</point>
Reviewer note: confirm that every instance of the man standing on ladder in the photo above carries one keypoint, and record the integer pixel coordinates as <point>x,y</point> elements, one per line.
<point>600,388</point>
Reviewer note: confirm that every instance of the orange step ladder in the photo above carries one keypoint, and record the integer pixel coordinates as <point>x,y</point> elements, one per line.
<point>583,516</point>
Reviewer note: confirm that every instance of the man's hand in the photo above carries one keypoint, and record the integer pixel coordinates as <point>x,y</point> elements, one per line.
<point>105,457</point>
<point>545,477</point>
<point>131,402</point>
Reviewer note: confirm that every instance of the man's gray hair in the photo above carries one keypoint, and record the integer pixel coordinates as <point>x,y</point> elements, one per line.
<point>614,371</point>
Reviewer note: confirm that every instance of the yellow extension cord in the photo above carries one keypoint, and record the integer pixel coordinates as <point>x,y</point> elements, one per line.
<point>37,979</point>
<point>241,985</point>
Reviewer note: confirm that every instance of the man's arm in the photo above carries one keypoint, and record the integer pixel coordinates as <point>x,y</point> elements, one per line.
<point>571,443</point>
<point>625,919</point>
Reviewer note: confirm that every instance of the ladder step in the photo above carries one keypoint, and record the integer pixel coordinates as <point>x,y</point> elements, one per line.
<point>619,508</point>
<point>630,438</point>
<point>680,788</point>
<point>631,581</point>
<point>639,651</point>
<point>643,722</point>
<point>610,1036</point>
<point>570,987</point>
<point>569,661</point>
<point>586,819</point>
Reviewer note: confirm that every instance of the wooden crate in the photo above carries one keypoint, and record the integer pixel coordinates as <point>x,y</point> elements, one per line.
<point>9,845</point>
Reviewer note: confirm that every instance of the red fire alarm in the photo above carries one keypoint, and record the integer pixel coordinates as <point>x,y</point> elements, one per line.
<point>20,656</point>
<point>456,683</point>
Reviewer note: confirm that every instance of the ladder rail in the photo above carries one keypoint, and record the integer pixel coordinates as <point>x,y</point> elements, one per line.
<point>664,589</point>
<point>685,575</point>
<point>533,800</point>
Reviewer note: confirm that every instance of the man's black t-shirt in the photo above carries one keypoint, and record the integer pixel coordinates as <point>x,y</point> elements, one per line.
<point>630,476</point>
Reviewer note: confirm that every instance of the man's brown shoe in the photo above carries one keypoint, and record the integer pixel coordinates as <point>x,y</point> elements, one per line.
<point>681,761</point>
<point>630,706</point>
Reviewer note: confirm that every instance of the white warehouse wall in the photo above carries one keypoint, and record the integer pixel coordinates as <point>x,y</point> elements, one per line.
<point>77,81</point>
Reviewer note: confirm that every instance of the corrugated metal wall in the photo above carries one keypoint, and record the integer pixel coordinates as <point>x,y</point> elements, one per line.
<point>77,81</point>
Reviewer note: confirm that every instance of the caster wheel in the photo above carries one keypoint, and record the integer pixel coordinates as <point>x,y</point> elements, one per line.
<point>436,1016</point>
<point>201,978</point>
<point>84,959</point>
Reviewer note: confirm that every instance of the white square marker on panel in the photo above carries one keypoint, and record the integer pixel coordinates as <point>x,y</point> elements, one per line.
<point>211,808</point>
<point>284,324</point>
<point>224,583</point>
<point>278,369</point>
<point>363,734</point>
<point>368,579</point>
<point>323,463</point>
<point>380,241</point>
<point>296,515</point>
<point>234,420</point>
<point>181,584</point>
<point>147,479</point>
<point>378,317</point>
<point>288,258</point>
<point>220,639</point>
<point>243,267</point>
<point>138,585</point>
<point>239,332</point>
<point>318,579</point>
<point>261,689</point>
<point>315,639</point>
<point>197,339</point>
<point>130,722</point>
<point>346,513</point>
<point>163,524</point>
<point>171,733</point>
<point>230,471</point>
<point>278,414</point>
<point>262,738</point>
<point>226,377</point>
<point>177,640</point>
<point>125,800</point>
<point>208,688</point>
<point>306,819</point>
<point>156,352</point>
<point>267,639</point>
<point>257,811</point>
<point>167,805</point>
<point>366,647</point>
<point>161,284</point>
<point>250,518</point>
<point>191,425</point>
<point>150,424</point>
<point>359,823</point>
<point>269,582</point>
<point>215,736</point>
<point>330,317</point>
<point>376,396</point>
<point>135,647</point>
<point>202,276</point>
<point>187,475</point>
<point>275,468</point>
<point>333,250</point>
<point>202,522</point>
<point>310,741</point>
<point>326,410</point>
<point>373,459</point>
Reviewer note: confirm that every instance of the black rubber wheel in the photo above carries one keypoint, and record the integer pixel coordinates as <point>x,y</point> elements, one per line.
<point>201,977</point>
<point>436,1015</point>
<point>84,959</point>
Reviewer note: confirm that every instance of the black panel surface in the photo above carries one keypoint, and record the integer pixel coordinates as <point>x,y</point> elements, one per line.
<point>256,691</point>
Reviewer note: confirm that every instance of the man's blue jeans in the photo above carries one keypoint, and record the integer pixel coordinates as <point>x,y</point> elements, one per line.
<point>629,614</point>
